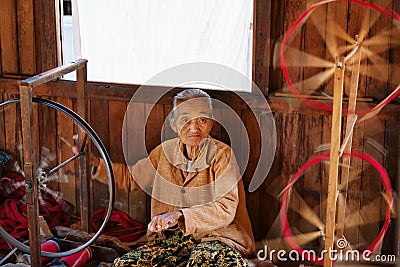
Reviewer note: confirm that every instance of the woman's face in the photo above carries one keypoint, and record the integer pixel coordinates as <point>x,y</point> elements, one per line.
<point>193,122</point>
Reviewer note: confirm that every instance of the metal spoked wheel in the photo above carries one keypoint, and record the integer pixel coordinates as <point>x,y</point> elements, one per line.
<point>103,154</point>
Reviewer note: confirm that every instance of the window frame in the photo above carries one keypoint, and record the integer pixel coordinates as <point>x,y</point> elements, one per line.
<point>261,45</point>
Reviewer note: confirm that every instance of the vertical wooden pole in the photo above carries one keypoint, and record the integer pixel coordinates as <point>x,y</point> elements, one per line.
<point>334,162</point>
<point>345,174</point>
<point>31,184</point>
<point>84,163</point>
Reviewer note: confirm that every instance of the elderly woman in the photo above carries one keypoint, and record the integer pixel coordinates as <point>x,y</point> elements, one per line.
<point>198,207</point>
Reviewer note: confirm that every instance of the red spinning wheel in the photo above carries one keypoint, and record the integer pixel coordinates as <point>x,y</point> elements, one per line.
<point>286,228</point>
<point>316,79</point>
<point>370,63</point>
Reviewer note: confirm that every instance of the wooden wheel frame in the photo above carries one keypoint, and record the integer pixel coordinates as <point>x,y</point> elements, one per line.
<point>357,53</point>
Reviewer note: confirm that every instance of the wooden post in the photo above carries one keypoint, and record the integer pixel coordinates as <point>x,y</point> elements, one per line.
<point>334,162</point>
<point>31,183</point>
<point>345,174</point>
<point>84,191</point>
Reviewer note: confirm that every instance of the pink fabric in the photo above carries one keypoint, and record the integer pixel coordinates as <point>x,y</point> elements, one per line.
<point>120,225</point>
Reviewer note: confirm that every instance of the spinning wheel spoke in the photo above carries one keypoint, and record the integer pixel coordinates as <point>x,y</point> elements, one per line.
<point>369,213</point>
<point>374,57</point>
<point>370,18</point>
<point>310,85</point>
<point>335,30</point>
<point>305,211</point>
<point>299,58</point>
<point>300,239</point>
<point>372,71</point>
<point>385,38</point>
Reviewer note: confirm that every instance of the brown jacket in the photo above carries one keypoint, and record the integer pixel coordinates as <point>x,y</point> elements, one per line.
<point>211,195</point>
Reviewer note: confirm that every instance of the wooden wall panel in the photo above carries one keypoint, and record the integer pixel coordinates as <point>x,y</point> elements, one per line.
<point>9,38</point>
<point>168,133</point>
<point>65,131</point>
<point>116,117</point>
<point>311,191</point>
<point>12,129</point>
<point>263,205</point>
<point>26,37</point>
<point>395,57</point>
<point>262,45</point>
<point>99,119</point>
<point>252,133</point>
<point>138,204</point>
<point>154,124</point>
<point>268,203</point>
<point>276,34</point>
<point>271,188</point>
<point>46,41</point>
<point>358,15</point>
<point>314,39</point>
<point>355,186</point>
<point>217,128</point>
<point>379,88</point>
<point>292,10</point>
<point>392,144</point>
<point>47,129</point>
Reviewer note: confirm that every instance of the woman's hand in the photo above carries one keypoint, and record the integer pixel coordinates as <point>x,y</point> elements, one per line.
<point>164,221</point>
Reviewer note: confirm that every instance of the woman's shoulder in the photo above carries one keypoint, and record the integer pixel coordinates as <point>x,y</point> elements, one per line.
<point>221,146</point>
<point>220,150</point>
<point>168,147</point>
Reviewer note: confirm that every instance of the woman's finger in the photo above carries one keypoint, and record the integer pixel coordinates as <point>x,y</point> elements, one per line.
<point>152,225</point>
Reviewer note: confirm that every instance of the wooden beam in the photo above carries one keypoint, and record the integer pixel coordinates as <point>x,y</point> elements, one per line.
<point>124,92</point>
<point>345,174</point>
<point>334,165</point>
<point>31,183</point>
<point>261,43</point>
<point>82,109</point>
<point>53,74</point>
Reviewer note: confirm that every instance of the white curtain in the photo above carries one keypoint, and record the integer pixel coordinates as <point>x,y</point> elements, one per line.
<point>130,41</point>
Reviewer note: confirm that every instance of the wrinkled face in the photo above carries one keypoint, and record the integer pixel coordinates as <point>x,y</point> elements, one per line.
<point>193,121</point>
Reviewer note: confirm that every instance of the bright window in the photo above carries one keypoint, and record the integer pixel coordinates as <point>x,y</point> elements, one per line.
<point>130,41</point>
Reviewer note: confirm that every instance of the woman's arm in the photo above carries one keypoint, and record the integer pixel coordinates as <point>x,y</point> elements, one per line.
<point>128,178</point>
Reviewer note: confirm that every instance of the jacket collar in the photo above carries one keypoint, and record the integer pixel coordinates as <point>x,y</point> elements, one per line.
<point>173,149</point>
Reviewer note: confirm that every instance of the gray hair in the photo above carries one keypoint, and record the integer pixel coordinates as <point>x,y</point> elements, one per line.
<point>187,94</point>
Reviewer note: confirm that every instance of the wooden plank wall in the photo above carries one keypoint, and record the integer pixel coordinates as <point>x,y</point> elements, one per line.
<point>55,132</point>
<point>27,37</point>
<point>300,129</point>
